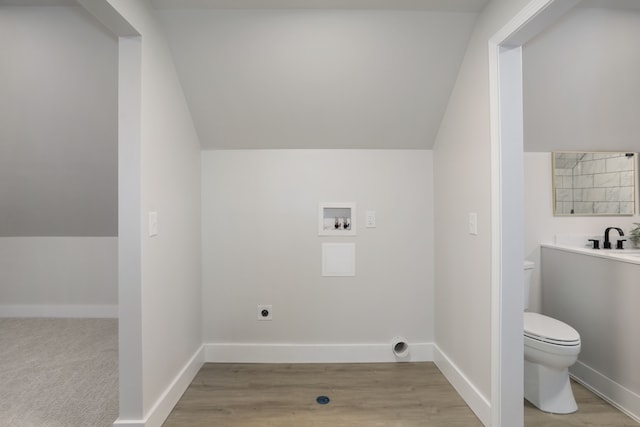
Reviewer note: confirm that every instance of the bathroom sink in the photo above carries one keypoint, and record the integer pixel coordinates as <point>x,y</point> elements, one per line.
<point>616,251</point>
<point>628,252</point>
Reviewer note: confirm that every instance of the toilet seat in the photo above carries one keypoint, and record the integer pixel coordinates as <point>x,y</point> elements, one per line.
<point>548,330</point>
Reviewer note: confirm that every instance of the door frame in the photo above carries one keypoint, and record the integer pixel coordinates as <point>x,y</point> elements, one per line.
<point>507,205</point>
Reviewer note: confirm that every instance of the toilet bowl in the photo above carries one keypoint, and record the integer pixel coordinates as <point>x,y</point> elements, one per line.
<point>550,347</point>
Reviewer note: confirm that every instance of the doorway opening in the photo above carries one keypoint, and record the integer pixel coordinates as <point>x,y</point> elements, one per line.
<point>507,147</point>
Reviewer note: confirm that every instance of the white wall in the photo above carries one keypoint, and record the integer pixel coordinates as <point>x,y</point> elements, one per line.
<point>582,83</point>
<point>540,224</point>
<point>317,78</point>
<point>59,276</point>
<point>160,286</point>
<point>261,246</point>
<point>462,159</point>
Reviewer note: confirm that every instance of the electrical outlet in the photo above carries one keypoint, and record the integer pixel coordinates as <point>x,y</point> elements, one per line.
<point>371,219</point>
<point>265,312</point>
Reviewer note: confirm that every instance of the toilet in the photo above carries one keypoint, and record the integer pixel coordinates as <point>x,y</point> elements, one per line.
<point>550,347</point>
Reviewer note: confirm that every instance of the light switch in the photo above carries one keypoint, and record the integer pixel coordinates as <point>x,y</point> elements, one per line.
<point>371,219</point>
<point>473,223</point>
<point>153,224</point>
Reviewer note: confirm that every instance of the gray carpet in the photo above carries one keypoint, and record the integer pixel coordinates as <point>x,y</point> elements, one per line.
<point>58,372</point>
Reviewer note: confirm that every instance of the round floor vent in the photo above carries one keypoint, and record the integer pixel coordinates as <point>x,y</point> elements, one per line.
<point>322,400</point>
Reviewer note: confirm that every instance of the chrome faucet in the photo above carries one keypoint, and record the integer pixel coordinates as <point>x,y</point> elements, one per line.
<point>607,242</point>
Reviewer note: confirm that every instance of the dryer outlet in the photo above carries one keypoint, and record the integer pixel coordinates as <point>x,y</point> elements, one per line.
<point>265,312</point>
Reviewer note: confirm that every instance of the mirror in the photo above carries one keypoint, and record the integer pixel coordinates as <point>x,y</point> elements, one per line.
<point>594,183</point>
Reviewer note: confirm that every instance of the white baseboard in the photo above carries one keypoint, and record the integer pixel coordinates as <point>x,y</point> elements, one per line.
<point>617,395</point>
<point>313,353</point>
<point>60,311</point>
<point>478,403</point>
<point>168,400</point>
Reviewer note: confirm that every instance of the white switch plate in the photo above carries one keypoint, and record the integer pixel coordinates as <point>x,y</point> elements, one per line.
<point>371,219</point>
<point>473,223</point>
<point>153,224</point>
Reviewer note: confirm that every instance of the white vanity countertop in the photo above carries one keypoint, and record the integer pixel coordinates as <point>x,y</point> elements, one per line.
<point>625,255</point>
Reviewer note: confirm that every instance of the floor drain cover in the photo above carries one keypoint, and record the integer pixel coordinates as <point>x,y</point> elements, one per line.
<point>323,400</point>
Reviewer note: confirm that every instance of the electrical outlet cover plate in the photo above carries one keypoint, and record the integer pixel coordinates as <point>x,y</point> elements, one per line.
<point>265,312</point>
<point>371,219</point>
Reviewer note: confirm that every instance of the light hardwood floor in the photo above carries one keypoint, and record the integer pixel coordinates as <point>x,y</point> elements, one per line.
<point>372,395</point>
<point>592,411</point>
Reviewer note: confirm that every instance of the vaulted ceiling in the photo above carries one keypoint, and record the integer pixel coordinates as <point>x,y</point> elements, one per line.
<point>436,5</point>
<point>354,77</point>
<point>581,81</point>
<point>293,75</point>
<point>370,73</point>
<point>58,123</point>
<point>363,76</point>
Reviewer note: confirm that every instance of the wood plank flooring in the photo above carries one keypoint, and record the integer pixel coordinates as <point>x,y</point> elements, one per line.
<point>592,411</point>
<point>372,395</point>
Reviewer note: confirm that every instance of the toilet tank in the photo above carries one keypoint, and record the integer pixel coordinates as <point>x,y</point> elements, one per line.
<point>528,272</point>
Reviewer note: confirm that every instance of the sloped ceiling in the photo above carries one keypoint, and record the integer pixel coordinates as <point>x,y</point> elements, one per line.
<point>436,5</point>
<point>38,3</point>
<point>581,81</point>
<point>58,124</point>
<point>321,78</point>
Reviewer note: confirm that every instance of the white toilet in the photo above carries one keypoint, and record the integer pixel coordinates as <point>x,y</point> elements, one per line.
<point>550,347</point>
